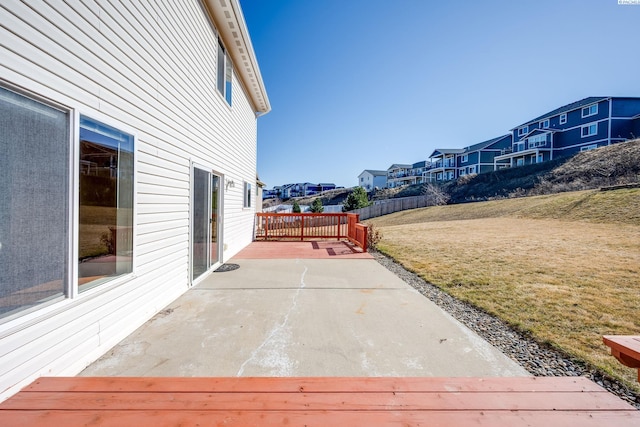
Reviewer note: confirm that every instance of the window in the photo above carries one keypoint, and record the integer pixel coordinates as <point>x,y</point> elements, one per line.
<point>34,202</point>
<point>563,118</point>
<point>591,110</point>
<point>589,130</point>
<point>537,141</point>
<point>540,158</point>
<point>464,158</point>
<point>520,161</point>
<point>461,172</point>
<point>589,147</point>
<point>225,72</point>
<point>523,130</point>
<point>105,229</point>
<point>544,124</point>
<point>472,169</point>
<point>247,195</point>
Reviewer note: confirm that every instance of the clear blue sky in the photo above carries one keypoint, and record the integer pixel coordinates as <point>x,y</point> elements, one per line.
<point>363,84</point>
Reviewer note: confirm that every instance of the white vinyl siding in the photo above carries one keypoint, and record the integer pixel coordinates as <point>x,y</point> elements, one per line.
<point>148,67</point>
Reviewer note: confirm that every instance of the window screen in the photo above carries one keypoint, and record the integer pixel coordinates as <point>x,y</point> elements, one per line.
<point>34,170</point>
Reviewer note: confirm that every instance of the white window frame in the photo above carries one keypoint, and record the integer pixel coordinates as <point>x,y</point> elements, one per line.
<point>247,195</point>
<point>589,147</point>
<point>563,118</point>
<point>591,110</point>
<point>224,73</point>
<point>520,161</point>
<point>114,281</point>
<point>461,172</point>
<point>464,158</point>
<point>589,127</point>
<point>544,124</point>
<point>523,130</point>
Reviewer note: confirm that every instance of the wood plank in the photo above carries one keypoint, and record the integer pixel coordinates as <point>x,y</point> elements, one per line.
<point>344,401</point>
<point>313,384</point>
<point>320,419</point>
<point>625,348</point>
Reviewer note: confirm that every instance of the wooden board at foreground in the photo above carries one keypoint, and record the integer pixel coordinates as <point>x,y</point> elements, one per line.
<point>319,401</point>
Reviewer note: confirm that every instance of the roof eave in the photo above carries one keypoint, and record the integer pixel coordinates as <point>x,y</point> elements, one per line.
<point>229,21</point>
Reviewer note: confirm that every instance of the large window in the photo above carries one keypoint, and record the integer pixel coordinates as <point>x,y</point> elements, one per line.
<point>105,232</point>
<point>225,73</point>
<point>34,202</point>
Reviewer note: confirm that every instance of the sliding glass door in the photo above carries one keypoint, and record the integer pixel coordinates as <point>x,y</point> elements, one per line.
<point>204,221</point>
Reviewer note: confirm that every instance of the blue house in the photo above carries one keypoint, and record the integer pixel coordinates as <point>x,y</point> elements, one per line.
<point>583,125</point>
<point>452,163</point>
<point>399,175</point>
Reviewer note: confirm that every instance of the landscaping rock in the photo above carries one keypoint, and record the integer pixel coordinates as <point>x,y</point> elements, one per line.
<point>538,359</point>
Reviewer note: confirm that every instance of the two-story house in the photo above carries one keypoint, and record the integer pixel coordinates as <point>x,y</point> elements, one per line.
<point>399,175</point>
<point>583,125</point>
<point>452,163</point>
<point>127,172</point>
<point>369,179</point>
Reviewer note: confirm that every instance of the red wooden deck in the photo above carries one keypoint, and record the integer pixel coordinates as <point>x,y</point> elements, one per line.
<point>321,249</point>
<point>625,348</point>
<point>370,402</point>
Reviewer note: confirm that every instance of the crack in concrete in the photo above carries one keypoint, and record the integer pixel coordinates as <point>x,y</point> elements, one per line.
<point>276,338</point>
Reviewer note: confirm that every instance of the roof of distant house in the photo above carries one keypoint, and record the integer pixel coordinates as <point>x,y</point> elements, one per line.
<point>375,172</point>
<point>440,151</point>
<point>399,166</point>
<point>566,108</point>
<point>485,144</point>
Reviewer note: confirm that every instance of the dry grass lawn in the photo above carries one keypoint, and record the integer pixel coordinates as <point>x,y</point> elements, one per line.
<point>567,281</point>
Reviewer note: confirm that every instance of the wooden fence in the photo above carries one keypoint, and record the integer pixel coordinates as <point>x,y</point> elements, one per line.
<point>384,207</point>
<point>310,226</point>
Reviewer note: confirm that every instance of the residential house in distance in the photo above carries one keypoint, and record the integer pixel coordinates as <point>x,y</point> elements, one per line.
<point>399,175</point>
<point>131,137</point>
<point>299,189</point>
<point>448,164</point>
<point>370,179</point>
<point>444,166</point>
<point>583,125</point>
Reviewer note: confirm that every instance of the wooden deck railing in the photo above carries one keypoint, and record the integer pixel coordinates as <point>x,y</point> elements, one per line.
<point>311,226</point>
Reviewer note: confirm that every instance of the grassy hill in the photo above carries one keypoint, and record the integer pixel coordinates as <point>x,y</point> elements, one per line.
<point>564,268</point>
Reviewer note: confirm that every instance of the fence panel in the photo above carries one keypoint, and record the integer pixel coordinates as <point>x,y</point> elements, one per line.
<point>389,206</point>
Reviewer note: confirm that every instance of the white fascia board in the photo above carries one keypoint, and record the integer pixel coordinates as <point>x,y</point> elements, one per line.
<point>229,21</point>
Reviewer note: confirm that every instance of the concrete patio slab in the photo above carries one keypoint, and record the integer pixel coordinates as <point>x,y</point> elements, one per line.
<point>304,317</point>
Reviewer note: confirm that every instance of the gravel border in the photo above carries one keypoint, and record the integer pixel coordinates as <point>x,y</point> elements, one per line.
<point>538,359</point>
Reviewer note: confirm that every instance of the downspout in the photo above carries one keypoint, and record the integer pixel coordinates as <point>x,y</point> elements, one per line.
<point>610,112</point>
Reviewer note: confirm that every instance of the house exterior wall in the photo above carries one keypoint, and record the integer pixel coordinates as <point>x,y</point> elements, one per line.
<point>148,69</point>
<point>369,181</point>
